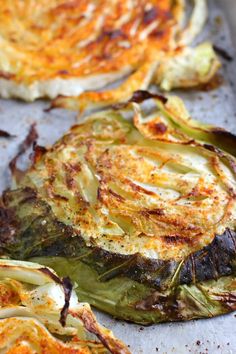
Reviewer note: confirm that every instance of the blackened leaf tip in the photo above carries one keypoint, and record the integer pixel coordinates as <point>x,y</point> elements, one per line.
<point>223,53</point>
<point>5,134</point>
<point>142,95</point>
<point>30,139</point>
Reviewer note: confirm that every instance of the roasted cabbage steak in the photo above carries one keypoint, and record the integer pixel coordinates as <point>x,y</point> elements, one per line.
<point>75,47</point>
<point>138,206</point>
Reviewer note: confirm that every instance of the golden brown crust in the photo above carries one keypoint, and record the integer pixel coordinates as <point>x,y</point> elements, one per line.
<point>78,38</point>
<point>27,334</point>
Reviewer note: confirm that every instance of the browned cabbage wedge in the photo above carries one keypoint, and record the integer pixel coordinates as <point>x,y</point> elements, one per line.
<point>49,49</point>
<point>34,301</point>
<point>141,214</point>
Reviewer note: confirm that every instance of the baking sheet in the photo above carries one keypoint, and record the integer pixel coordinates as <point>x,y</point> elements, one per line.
<point>218,107</point>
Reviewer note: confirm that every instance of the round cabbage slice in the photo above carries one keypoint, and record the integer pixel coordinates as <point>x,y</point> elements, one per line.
<point>138,205</point>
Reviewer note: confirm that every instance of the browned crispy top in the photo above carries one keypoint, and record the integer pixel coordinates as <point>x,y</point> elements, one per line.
<point>47,39</point>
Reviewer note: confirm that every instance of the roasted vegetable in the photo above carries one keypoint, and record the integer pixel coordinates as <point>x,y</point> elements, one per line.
<point>34,301</point>
<point>73,48</point>
<point>141,213</point>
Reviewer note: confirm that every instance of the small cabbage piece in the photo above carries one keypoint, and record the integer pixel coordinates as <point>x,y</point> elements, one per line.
<point>36,305</point>
<point>188,68</point>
